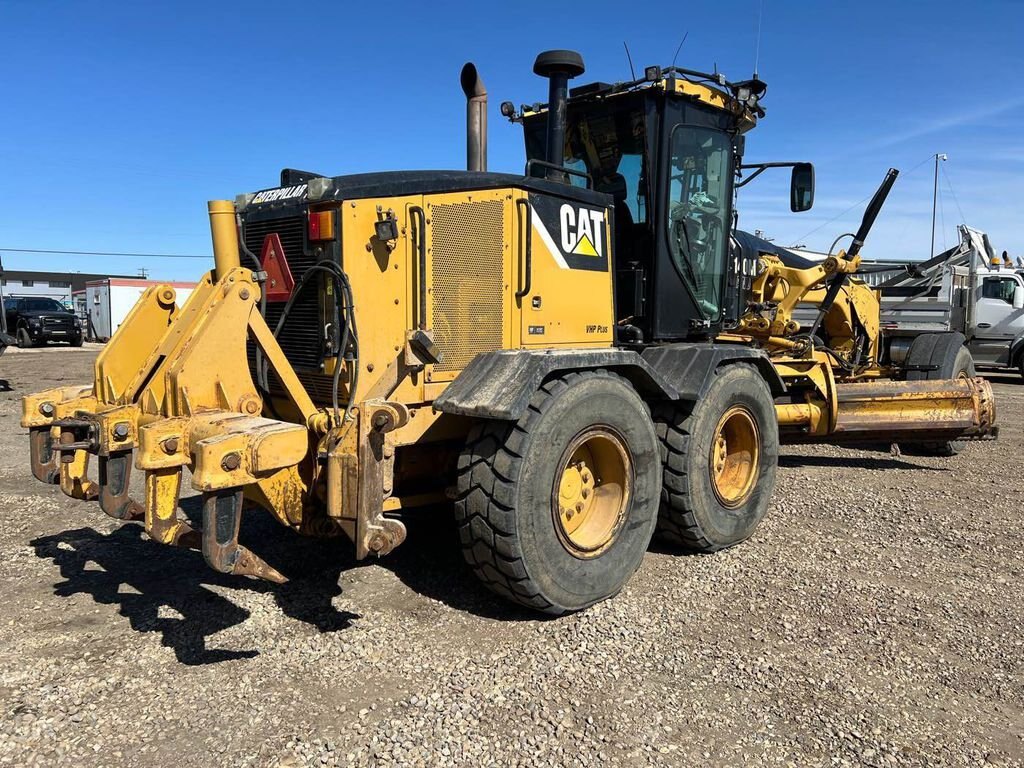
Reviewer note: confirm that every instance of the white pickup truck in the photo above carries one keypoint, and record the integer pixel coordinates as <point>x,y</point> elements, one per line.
<point>967,289</point>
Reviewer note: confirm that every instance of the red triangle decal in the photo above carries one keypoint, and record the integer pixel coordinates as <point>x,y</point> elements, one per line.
<point>280,283</point>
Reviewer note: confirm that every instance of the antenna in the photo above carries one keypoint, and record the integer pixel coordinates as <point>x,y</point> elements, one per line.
<point>632,73</point>
<point>680,47</point>
<point>757,44</point>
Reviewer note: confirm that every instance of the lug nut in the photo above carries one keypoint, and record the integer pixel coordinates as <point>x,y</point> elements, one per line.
<point>231,462</point>
<point>579,506</point>
<point>121,430</point>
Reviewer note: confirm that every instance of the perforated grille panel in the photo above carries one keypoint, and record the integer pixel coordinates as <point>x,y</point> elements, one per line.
<point>466,242</point>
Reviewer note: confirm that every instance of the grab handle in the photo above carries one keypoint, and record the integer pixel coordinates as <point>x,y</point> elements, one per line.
<point>526,276</point>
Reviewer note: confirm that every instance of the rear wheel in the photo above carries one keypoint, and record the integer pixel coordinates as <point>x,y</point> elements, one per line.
<point>938,356</point>
<point>719,457</point>
<point>24,340</point>
<point>556,511</point>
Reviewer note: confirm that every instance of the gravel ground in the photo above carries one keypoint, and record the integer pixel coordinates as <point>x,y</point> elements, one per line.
<point>875,619</point>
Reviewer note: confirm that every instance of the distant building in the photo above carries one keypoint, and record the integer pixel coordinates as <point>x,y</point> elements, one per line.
<point>105,302</point>
<point>55,285</point>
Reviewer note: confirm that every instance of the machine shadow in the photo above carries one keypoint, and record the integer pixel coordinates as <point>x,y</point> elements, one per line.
<point>1007,377</point>
<point>125,569</point>
<point>157,576</point>
<point>430,563</point>
<point>859,462</point>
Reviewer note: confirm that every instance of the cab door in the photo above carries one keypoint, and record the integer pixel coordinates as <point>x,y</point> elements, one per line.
<point>997,321</point>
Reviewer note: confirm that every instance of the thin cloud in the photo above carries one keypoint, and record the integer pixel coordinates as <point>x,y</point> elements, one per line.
<point>965,117</point>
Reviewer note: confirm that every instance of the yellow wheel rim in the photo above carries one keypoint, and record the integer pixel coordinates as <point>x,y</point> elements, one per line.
<point>591,493</point>
<point>735,455</point>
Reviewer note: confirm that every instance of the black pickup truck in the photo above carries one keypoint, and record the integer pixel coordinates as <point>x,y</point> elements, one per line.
<point>33,320</point>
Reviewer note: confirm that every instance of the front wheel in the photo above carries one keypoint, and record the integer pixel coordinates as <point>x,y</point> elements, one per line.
<point>719,456</point>
<point>556,511</point>
<point>24,340</point>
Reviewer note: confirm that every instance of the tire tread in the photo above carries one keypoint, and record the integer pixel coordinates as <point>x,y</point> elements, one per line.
<point>484,506</point>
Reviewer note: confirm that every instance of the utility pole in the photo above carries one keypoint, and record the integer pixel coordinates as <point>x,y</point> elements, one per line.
<point>935,199</point>
<point>3,310</point>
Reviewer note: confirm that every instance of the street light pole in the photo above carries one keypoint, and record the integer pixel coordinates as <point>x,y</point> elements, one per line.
<point>935,199</point>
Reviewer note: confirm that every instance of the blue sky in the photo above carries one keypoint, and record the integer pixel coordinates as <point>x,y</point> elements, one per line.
<point>121,119</point>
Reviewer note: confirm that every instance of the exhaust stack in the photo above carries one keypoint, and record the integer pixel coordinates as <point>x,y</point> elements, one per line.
<point>476,118</point>
<point>558,67</point>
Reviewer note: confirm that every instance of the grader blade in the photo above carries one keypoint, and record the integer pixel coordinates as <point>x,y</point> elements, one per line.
<point>954,409</point>
<point>893,411</point>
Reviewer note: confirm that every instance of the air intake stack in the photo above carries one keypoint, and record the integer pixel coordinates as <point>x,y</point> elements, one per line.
<point>558,67</point>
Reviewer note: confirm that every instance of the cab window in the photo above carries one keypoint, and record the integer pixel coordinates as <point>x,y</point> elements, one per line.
<point>607,143</point>
<point>1001,288</point>
<point>698,211</point>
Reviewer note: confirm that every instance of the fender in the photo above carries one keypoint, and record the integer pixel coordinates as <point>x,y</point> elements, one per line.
<point>499,385</point>
<point>691,367</point>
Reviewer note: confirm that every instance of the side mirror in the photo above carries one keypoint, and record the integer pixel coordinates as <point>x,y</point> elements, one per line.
<point>1018,297</point>
<point>801,188</point>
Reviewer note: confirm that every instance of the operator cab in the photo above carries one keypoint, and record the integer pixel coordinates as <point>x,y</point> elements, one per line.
<point>668,149</point>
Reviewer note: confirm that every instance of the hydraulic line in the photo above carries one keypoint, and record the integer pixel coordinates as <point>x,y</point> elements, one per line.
<point>346,307</point>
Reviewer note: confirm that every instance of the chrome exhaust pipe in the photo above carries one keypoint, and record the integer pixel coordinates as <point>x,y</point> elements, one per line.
<point>476,118</point>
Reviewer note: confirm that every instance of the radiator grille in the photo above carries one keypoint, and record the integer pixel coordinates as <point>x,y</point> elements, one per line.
<point>300,338</point>
<point>467,244</point>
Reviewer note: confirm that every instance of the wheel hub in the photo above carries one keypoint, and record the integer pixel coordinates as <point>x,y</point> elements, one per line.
<point>591,493</point>
<point>735,456</point>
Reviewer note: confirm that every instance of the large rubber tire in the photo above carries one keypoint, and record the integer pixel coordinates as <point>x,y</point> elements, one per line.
<point>507,508</point>
<point>938,356</point>
<point>77,341</point>
<point>24,340</point>
<point>692,513</point>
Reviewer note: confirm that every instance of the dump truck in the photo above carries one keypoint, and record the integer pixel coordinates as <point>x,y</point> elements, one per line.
<point>570,358</point>
<point>968,289</point>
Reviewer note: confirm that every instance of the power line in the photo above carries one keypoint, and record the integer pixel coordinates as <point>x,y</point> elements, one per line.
<point>855,205</point>
<point>108,253</point>
<point>949,183</point>
<point>942,220</point>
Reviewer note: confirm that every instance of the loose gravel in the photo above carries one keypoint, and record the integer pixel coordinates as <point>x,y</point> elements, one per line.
<point>874,619</point>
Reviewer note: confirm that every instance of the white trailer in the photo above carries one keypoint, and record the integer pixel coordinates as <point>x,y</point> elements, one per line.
<point>108,302</point>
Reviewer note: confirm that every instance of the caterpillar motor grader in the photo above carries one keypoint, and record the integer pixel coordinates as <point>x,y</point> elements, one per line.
<point>574,354</point>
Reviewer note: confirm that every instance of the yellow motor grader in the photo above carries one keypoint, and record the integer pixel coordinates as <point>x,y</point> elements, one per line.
<point>576,355</point>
